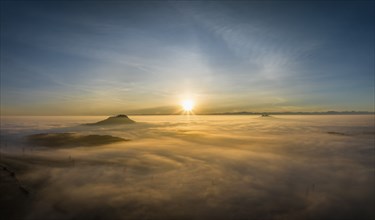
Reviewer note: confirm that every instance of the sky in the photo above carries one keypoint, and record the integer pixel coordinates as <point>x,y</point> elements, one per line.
<point>110,57</point>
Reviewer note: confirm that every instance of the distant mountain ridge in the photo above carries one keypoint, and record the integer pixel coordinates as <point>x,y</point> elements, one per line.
<point>276,113</point>
<point>298,113</point>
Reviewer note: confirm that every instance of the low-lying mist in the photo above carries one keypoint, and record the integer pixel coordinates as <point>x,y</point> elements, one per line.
<point>201,167</point>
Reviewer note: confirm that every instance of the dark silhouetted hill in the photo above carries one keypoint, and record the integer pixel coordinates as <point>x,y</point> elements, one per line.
<point>114,120</point>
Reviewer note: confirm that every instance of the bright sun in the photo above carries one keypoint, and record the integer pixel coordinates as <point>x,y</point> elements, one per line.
<point>187,105</point>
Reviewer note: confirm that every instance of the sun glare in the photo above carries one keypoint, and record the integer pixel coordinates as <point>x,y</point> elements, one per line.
<point>187,105</point>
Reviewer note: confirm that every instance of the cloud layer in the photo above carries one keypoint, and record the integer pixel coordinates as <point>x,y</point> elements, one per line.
<point>208,167</point>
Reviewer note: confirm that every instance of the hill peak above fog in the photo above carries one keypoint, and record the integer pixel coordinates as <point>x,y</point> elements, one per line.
<point>115,120</point>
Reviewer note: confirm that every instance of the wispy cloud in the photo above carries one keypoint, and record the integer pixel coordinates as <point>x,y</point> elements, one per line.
<point>140,56</point>
<point>270,52</point>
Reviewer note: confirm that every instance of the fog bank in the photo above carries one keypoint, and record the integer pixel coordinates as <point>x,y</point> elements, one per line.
<point>201,167</point>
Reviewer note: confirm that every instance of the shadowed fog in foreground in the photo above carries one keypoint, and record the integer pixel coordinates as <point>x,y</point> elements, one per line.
<point>202,167</point>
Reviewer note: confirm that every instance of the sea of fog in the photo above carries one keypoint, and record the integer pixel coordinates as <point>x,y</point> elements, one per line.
<point>192,167</point>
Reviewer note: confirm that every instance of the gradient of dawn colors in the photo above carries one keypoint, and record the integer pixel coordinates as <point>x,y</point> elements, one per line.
<point>92,58</point>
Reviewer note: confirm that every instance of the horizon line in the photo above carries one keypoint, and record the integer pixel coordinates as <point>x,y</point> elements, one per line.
<point>226,113</point>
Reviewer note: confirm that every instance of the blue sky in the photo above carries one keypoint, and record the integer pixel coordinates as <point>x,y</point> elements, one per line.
<point>78,58</point>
